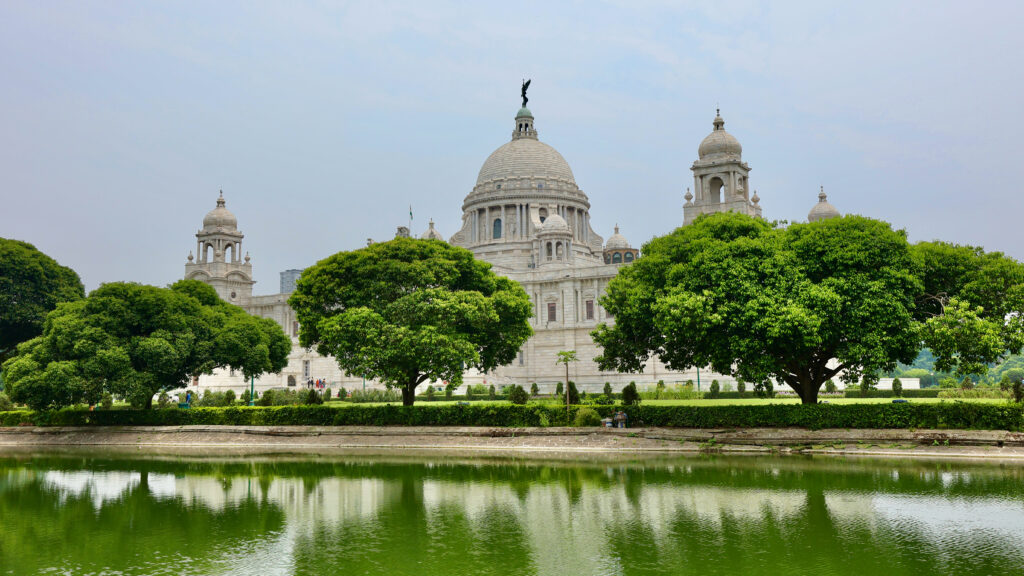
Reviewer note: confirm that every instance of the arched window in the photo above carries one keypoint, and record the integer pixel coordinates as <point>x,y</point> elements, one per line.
<point>291,381</point>
<point>208,253</point>
<point>617,258</point>
<point>229,253</point>
<point>629,257</point>
<point>497,228</point>
<point>716,190</point>
<point>549,250</point>
<point>607,258</point>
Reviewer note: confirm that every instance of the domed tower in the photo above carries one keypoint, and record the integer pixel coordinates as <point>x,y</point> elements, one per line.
<point>553,241</point>
<point>720,181</point>
<point>520,186</point>
<point>617,249</point>
<point>219,262</point>
<point>822,210</point>
<point>432,233</point>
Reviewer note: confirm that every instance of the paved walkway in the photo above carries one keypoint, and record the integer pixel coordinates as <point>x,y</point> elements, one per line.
<point>898,443</point>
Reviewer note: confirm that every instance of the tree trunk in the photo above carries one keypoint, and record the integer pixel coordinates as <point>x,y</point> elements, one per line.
<point>808,390</point>
<point>149,402</point>
<point>409,393</point>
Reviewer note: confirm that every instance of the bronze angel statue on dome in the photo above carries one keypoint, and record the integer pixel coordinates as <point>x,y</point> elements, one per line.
<point>526,84</point>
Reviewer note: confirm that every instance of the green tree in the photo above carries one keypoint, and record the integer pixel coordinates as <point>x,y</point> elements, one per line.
<point>534,390</point>
<point>713,390</point>
<point>830,386</point>
<point>566,357</point>
<point>757,301</point>
<point>897,388</point>
<point>31,285</point>
<point>608,389</point>
<point>135,341</point>
<point>408,311</point>
<point>970,306</point>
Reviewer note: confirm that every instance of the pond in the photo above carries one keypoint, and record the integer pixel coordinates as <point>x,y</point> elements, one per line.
<point>94,513</point>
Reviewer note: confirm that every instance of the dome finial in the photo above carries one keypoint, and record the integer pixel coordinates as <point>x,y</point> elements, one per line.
<point>220,199</point>
<point>719,123</point>
<point>616,227</point>
<point>821,195</point>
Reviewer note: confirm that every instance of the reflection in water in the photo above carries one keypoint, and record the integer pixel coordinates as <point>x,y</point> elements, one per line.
<point>430,516</point>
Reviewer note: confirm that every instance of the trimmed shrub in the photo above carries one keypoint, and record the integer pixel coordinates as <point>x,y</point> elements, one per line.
<point>559,390</point>
<point>630,397</point>
<point>327,394</point>
<point>912,393</point>
<point>962,415</point>
<point>764,389</point>
<point>973,393</point>
<point>587,417</point>
<point>342,394</point>
<point>490,393</point>
<point>376,395</point>
<point>517,395</point>
<point>107,401</point>
<point>897,388</point>
<point>574,395</point>
<point>830,386</point>
<point>967,383</point>
<point>229,397</point>
<point>713,390</point>
<point>163,400</point>
<point>313,397</point>
<point>5,402</point>
<point>534,390</point>
<point>608,389</point>
<point>245,397</point>
<point>430,393</point>
<point>741,386</point>
<point>449,390</point>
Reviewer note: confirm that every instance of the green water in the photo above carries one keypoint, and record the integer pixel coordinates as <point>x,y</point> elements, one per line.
<point>76,513</point>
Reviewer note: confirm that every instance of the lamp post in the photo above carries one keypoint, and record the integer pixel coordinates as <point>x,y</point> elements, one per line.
<point>252,390</point>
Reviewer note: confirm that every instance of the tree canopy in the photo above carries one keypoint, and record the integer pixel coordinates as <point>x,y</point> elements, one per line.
<point>799,304</point>
<point>970,307</point>
<point>408,311</point>
<point>31,285</point>
<point>134,341</point>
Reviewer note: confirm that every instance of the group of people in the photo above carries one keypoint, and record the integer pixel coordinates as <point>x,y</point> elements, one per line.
<point>318,384</point>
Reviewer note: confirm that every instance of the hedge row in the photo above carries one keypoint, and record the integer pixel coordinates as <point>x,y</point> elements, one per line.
<point>922,393</point>
<point>965,415</point>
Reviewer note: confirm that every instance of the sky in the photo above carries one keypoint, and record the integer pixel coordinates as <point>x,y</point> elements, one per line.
<point>323,122</point>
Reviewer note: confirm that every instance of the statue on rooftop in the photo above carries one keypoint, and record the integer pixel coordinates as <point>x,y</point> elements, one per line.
<point>526,84</point>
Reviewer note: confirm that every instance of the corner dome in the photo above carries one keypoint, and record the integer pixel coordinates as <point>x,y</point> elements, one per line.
<point>554,223</point>
<point>616,241</point>
<point>220,217</point>
<point>823,210</point>
<point>525,158</point>
<point>719,143</point>
<point>432,233</point>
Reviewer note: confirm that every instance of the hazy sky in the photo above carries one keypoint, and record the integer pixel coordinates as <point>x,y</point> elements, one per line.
<point>322,122</point>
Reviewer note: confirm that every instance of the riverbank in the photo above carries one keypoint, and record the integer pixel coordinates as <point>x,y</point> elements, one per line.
<point>987,444</point>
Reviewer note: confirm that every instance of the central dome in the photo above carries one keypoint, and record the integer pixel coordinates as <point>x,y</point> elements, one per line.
<point>524,158</point>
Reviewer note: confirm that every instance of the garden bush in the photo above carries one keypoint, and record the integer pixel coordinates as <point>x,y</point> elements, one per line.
<point>517,395</point>
<point>574,395</point>
<point>559,390</point>
<point>608,389</point>
<point>491,395</point>
<point>990,392</point>
<point>587,417</point>
<point>912,393</point>
<point>630,397</point>
<point>5,402</point>
<point>962,415</point>
<point>229,397</point>
<point>714,390</point>
<point>376,395</point>
<point>830,386</point>
<point>107,401</point>
<point>897,388</point>
<point>534,390</point>
<point>430,393</point>
<point>313,398</point>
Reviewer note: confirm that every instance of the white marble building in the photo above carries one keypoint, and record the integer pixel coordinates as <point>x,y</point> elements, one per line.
<point>527,216</point>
